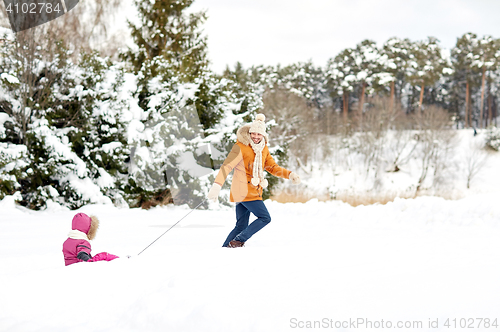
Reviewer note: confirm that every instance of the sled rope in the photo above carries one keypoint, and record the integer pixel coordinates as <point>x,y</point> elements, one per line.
<point>172,226</point>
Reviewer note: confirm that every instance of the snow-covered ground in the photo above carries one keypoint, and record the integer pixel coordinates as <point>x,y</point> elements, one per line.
<point>411,261</point>
<point>424,264</point>
<point>342,175</point>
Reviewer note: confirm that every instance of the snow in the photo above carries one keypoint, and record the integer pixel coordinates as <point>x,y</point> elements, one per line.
<point>13,150</point>
<point>341,173</point>
<point>408,260</point>
<point>385,78</point>
<point>11,79</point>
<point>110,147</point>
<point>188,162</point>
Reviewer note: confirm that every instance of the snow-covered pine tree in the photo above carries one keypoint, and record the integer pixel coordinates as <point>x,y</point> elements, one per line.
<point>465,79</point>
<point>33,71</point>
<point>99,138</point>
<point>426,65</point>
<point>342,80</point>
<point>394,56</point>
<point>49,108</point>
<point>166,30</point>
<point>486,58</point>
<point>188,113</point>
<point>12,161</point>
<point>367,63</point>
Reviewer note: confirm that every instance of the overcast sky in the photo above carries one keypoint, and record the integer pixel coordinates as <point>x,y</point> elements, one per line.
<point>287,31</point>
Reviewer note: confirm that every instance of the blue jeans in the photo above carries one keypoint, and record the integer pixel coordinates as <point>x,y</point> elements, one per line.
<point>242,231</point>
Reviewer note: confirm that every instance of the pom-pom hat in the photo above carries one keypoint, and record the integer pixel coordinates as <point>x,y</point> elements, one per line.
<point>259,126</point>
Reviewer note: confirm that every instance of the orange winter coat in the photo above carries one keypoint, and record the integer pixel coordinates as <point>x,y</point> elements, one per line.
<point>241,159</point>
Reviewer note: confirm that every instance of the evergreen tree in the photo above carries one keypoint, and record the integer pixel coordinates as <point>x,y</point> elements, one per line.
<point>353,70</point>
<point>465,77</point>
<point>395,54</point>
<point>239,75</point>
<point>187,111</point>
<point>12,161</point>
<point>167,31</point>
<point>36,71</point>
<point>169,65</point>
<point>59,114</point>
<point>485,57</point>
<point>367,66</point>
<point>341,79</point>
<point>307,81</point>
<point>426,65</point>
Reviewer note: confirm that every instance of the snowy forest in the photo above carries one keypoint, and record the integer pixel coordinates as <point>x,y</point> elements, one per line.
<point>84,120</point>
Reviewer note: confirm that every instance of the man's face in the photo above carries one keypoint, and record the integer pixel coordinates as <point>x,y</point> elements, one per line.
<point>256,137</point>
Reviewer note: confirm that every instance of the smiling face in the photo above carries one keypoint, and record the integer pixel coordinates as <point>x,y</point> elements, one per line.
<point>256,137</point>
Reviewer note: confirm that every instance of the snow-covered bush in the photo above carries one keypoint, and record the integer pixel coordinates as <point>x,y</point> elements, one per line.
<point>63,113</point>
<point>493,138</point>
<point>11,163</point>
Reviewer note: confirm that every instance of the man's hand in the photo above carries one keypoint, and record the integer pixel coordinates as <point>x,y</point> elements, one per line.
<point>213,194</point>
<point>295,178</point>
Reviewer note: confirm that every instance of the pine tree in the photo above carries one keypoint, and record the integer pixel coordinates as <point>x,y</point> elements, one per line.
<point>353,70</point>
<point>64,116</point>
<point>36,69</point>
<point>12,161</point>
<point>426,65</point>
<point>169,65</point>
<point>167,31</point>
<point>341,79</point>
<point>239,75</point>
<point>486,57</point>
<point>367,60</point>
<point>307,81</point>
<point>465,76</point>
<point>395,54</point>
<point>187,110</point>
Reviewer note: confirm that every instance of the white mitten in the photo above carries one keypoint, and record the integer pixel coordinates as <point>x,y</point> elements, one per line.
<point>295,178</point>
<point>213,194</point>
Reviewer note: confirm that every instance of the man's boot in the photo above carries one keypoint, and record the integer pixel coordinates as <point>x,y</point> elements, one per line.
<point>236,244</point>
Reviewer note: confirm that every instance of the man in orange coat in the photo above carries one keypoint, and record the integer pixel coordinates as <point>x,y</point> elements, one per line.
<point>249,157</point>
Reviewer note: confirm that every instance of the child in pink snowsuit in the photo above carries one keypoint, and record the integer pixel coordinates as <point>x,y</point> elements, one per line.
<point>77,247</point>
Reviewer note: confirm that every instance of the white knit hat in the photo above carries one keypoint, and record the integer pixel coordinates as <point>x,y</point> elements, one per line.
<point>259,126</point>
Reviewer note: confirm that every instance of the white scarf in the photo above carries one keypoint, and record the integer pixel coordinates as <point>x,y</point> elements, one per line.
<point>258,173</point>
<point>77,235</point>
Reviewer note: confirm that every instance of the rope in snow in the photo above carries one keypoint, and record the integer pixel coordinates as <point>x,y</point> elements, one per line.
<point>172,226</point>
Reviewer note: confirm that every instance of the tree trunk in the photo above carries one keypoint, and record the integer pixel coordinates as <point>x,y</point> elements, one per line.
<point>421,97</point>
<point>490,113</point>
<point>482,98</point>
<point>392,96</point>
<point>328,122</point>
<point>361,103</point>
<point>467,105</point>
<point>494,109</point>
<point>471,109</point>
<point>346,105</point>
<point>489,119</point>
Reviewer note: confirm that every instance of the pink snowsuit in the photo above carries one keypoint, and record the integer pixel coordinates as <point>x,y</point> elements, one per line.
<point>78,249</point>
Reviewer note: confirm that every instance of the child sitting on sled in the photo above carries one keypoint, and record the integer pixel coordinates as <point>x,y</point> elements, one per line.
<point>77,247</point>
